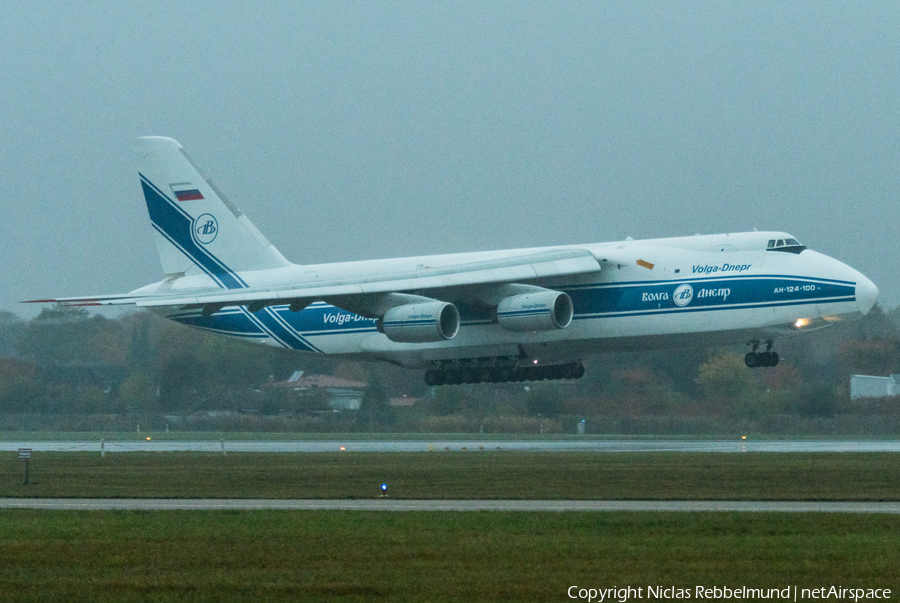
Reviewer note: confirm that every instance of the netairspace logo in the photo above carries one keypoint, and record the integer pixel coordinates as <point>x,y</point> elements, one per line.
<point>718,593</point>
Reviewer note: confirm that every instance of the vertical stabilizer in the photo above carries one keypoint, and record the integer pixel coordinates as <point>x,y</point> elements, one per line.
<point>197,229</point>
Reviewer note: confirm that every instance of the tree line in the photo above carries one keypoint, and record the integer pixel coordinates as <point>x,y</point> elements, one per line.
<point>69,362</point>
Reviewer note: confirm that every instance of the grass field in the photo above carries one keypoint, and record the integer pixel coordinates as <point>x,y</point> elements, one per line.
<point>450,556</point>
<point>239,436</point>
<point>449,475</point>
<point>486,556</point>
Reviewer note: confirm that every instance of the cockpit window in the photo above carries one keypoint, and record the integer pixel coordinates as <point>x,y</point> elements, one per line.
<point>788,245</point>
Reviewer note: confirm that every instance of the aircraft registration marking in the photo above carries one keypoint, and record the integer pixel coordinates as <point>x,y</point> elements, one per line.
<point>796,289</point>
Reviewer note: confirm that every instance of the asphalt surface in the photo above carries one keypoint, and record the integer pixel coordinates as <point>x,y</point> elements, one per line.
<point>569,445</point>
<point>388,504</point>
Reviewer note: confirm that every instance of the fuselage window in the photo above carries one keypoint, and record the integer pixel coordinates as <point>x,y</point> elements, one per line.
<point>789,245</point>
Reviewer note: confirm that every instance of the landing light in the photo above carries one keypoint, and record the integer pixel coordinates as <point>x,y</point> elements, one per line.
<point>148,438</point>
<point>802,322</point>
<point>342,449</point>
<point>535,361</point>
<point>743,437</point>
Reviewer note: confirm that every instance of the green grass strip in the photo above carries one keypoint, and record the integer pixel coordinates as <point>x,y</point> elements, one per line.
<point>485,556</point>
<point>465,475</point>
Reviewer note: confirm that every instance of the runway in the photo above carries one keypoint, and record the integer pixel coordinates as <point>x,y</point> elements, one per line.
<point>387,504</point>
<point>458,445</point>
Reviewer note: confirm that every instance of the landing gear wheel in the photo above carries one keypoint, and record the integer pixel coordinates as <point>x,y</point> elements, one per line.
<point>433,377</point>
<point>761,359</point>
<point>450,376</point>
<point>477,371</point>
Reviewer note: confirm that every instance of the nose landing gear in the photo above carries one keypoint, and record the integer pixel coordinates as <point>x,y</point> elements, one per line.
<point>766,359</point>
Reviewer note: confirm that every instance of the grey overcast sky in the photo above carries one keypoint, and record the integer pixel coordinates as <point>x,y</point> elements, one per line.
<point>356,130</point>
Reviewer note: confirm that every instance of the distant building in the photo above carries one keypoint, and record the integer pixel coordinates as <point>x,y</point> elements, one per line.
<point>402,401</point>
<point>867,386</point>
<point>10,367</point>
<point>341,394</point>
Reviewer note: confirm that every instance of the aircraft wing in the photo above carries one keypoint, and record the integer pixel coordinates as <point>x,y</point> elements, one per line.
<point>516,269</point>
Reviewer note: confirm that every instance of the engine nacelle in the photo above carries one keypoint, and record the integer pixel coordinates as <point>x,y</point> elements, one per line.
<point>418,323</point>
<point>541,311</point>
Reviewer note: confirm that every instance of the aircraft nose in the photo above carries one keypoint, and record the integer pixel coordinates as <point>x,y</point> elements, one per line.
<point>866,294</point>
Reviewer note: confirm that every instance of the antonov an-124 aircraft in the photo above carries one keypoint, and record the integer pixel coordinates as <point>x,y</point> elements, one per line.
<point>493,316</point>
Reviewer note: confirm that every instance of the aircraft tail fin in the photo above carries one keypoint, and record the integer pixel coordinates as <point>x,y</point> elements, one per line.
<point>197,229</point>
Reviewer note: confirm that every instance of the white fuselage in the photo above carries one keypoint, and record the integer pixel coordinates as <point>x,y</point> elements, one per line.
<point>682,292</point>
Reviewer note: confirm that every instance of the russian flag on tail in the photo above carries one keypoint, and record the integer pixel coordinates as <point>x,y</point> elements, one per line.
<point>185,191</point>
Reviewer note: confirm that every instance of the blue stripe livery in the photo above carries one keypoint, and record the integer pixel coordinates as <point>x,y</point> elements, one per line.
<point>590,301</point>
<point>594,301</point>
<point>177,226</point>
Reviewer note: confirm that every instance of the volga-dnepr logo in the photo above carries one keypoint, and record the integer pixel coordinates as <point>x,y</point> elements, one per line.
<point>683,295</point>
<point>206,227</point>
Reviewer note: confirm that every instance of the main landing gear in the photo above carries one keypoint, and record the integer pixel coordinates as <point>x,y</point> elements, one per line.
<point>761,359</point>
<point>454,374</point>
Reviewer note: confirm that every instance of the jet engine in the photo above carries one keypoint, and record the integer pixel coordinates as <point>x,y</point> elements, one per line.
<point>418,323</point>
<point>539,311</point>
